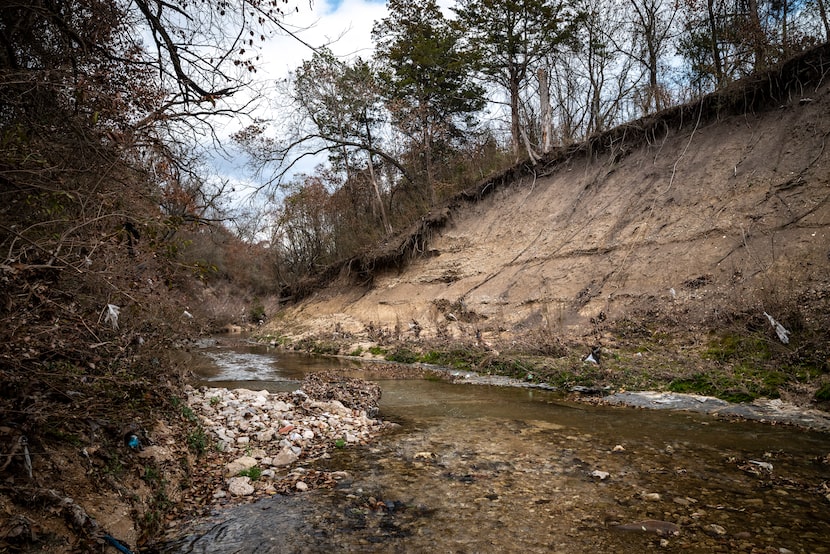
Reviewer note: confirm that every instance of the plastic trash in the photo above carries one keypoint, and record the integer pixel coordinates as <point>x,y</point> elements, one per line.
<point>783,334</point>
<point>111,316</point>
<point>593,357</point>
<point>133,441</point>
<point>27,459</point>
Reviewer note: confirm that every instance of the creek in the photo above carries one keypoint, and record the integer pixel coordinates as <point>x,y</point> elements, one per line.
<point>498,469</point>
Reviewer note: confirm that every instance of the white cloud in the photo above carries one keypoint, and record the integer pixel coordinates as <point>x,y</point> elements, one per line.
<point>344,26</point>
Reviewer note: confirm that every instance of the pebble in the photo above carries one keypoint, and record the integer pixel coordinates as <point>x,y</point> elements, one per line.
<point>715,530</point>
<point>663,528</point>
<point>601,475</point>
<point>301,486</point>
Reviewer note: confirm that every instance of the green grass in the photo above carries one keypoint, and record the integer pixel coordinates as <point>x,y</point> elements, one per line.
<point>254,473</point>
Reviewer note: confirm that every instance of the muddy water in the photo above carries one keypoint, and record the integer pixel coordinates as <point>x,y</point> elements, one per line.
<point>490,469</point>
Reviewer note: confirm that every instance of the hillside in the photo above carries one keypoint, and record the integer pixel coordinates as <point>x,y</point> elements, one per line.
<point>675,226</point>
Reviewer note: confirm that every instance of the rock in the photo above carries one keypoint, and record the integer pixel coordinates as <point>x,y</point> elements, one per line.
<point>241,464</point>
<point>662,528</point>
<point>714,530</point>
<point>284,458</point>
<point>652,496</point>
<point>601,475</point>
<point>618,448</point>
<point>240,486</point>
<point>763,465</point>
<point>301,486</point>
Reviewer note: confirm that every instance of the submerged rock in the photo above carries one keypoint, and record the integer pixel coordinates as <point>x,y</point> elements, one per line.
<point>662,528</point>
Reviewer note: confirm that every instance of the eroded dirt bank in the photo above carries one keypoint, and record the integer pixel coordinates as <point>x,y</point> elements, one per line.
<point>669,255</point>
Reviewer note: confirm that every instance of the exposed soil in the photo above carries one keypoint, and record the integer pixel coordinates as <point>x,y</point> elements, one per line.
<point>664,249</point>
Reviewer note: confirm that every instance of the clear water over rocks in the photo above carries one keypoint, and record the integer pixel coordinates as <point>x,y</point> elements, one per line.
<point>495,469</point>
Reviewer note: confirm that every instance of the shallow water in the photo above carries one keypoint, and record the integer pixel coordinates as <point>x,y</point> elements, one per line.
<point>491,469</point>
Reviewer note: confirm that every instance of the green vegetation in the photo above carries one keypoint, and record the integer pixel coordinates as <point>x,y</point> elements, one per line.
<point>254,473</point>
<point>403,356</point>
<point>197,440</point>
<point>160,503</point>
<point>729,347</point>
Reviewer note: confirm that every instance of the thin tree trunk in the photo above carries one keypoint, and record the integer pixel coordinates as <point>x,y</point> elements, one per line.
<point>515,133</point>
<point>713,30</point>
<point>378,196</point>
<point>544,107</point>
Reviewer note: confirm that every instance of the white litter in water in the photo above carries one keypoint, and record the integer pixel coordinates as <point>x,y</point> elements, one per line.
<point>783,334</point>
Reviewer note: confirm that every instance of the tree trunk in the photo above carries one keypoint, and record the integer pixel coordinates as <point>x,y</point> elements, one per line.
<point>515,132</point>
<point>713,30</point>
<point>544,107</point>
<point>756,36</point>
<point>378,197</point>
<point>822,10</point>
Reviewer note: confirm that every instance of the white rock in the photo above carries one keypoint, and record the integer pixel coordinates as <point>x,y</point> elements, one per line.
<point>715,530</point>
<point>265,436</point>
<point>301,486</point>
<point>241,464</point>
<point>240,486</point>
<point>601,475</point>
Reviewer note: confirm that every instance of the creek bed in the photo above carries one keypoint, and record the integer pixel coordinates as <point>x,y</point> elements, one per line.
<point>496,469</point>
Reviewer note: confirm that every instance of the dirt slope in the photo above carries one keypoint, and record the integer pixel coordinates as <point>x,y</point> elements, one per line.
<point>717,215</point>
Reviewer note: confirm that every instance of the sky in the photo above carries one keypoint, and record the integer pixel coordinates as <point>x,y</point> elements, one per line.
<point>344,26</point>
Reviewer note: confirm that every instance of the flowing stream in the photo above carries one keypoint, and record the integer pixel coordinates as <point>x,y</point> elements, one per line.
<point>497,469</point>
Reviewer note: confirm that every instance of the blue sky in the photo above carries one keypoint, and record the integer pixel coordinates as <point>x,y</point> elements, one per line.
<point>345,26</point>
